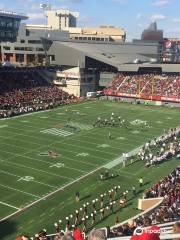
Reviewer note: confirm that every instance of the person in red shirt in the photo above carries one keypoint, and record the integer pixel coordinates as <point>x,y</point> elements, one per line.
<point>77,234</point>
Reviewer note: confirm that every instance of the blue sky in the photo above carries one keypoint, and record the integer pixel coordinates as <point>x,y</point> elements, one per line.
<point>133,15</point>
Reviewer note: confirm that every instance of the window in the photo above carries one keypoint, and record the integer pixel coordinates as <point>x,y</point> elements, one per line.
<point>19,48</point>
<point>9,34</point>
<point>29,49</point>
<point>27,32</point>
<point>2,22</point>
<point>52,58</point>
<point>9,23</point>
<point>16,23</point>
<point>34,41</point>
<point>6,48</point>
<point>22,41</point>
<point>40,49</point>
<point>23,48</point>
<point>2,34</point>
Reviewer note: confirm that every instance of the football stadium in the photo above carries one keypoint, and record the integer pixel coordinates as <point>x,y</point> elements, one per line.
<point>89,131</point>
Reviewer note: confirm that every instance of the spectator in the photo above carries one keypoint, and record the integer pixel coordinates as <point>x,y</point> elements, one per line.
<point>97,234</point>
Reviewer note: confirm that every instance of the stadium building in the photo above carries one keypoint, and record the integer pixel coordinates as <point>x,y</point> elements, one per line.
<point>85,163</point>
<point>9,26</point>
<point>95,51</point>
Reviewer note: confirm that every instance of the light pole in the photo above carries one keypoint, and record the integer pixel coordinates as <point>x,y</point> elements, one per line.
<point>45,6</point>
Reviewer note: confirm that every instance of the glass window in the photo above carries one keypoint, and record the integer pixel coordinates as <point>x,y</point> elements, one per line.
<point>16,23</point>
<point>27,32</point>
<point>9,23</point>
<point>6,48</point>
<point>2,34</point>
<point>40,49</point>
<point>34,41</point>
<point>2,22</point>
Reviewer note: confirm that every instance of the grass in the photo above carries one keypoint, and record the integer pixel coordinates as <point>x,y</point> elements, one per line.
<point>28,173</point>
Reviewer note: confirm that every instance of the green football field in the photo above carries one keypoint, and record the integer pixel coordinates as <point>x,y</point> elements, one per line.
<point>40,154</point>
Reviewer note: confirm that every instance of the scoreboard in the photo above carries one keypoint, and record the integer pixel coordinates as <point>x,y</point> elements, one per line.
<point>171,51</point>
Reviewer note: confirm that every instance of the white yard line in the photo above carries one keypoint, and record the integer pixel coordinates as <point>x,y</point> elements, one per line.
<point>50,194</point>
<point>39,112</point>
<point>17,176</point>
<point>17,190</point>
<point>62,142</point>
<point>43,146</point>
<point>24,115</point>
<point>8,205</point>
<point>49,163</point>
<point>54,142</point>
<point>37,160</point>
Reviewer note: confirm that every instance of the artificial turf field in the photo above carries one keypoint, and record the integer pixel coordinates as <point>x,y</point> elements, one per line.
<point>28,172</point>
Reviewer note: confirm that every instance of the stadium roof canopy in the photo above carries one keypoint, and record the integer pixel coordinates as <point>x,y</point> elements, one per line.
<point>92,54</point>
<point>15,15</point>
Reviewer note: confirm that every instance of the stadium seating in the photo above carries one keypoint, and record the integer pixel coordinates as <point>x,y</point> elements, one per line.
<point>168,211</point>
<point>148,86</point>
<point>24,90</point>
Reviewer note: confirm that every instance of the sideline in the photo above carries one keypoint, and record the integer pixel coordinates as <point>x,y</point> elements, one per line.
<point>50,194</point>
<point>44,111</point>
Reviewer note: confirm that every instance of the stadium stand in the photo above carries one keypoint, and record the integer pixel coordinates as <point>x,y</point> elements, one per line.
<point>24,90</point>
<point>147,86</point>
<point>168,211</point>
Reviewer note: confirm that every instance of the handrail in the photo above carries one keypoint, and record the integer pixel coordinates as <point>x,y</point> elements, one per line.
<point>10,12</point>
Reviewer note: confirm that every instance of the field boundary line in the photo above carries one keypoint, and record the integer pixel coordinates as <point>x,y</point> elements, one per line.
<point>50,194</point>
<point>119,160</point>
<point>9,205</point>
<point>48,110</point>
<point>17,176</point>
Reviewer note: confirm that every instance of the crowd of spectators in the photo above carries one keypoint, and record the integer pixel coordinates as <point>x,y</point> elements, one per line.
<point>25,90</point>
<point>169,189</point>
<point>167,86</point>
<point>161,149</point>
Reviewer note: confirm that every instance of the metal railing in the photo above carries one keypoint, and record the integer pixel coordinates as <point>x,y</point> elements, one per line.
<point>13,14</point>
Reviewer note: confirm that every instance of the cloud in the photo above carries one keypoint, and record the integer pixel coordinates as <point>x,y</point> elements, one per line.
<point>71,1</point>
<point>176,20</point>
<point>120,1</point>
<point>2,6</point>
<point>161,3</point>
<point>173,30</point>
<point>85,20</point>
<point>139,16</point>
<point>36,16</point>
<point>141,25</point>
<point>158,17</point>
